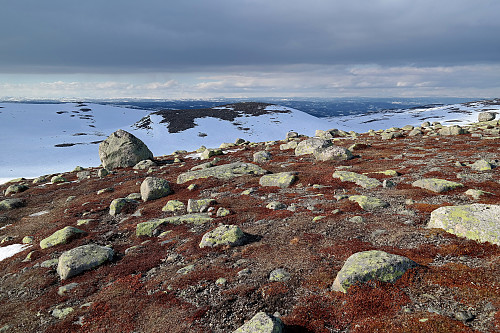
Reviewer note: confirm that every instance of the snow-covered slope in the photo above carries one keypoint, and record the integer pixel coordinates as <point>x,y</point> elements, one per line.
<point>38,139</point>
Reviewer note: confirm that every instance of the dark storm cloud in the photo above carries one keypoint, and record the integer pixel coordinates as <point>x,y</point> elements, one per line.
<point>136,36</point>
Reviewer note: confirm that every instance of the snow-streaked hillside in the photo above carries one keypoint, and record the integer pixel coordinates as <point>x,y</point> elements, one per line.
<point>39,139</point>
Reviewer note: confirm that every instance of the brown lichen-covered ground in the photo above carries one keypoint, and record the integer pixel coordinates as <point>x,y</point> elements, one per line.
<point>456,287</point>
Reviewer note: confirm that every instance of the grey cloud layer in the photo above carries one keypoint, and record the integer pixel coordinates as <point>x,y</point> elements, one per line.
<point>127,36</point>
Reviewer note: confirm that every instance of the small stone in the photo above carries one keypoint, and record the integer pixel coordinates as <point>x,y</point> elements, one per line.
<point>368,203</point>
<point>481,165</point>
<point>275,205</point>
<point>186,270</point>
<point>261,156</point>
<point>357,219</point>
<point>386,183</point>
<point>153,188</point>
<point>120,205</point>
<point>436,185</point>
<point>282,179</point>
<point>200,205</point>
<point>64,289</point>
<point>62,313</point>
<point>144,165</point>
<point>317,218</point>
<point>28,239</point>
<point>101,173</point>
<point>174,206</point>
<point>62,236</point>
<point>221,212</point>
<point>476,194</point>
<point>279,275</point>
<point>192,187</point>
<point>221,281</point>
<point>105,190</point>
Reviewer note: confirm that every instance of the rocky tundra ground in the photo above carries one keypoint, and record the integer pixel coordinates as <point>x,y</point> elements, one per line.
<point>388,231</point>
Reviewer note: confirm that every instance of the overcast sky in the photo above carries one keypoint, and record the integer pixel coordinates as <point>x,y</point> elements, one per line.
<point>249,48</point>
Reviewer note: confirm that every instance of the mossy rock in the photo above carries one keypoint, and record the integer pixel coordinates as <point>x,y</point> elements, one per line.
<point>436,185</point>
<point>8,204</point>
<point>58,179</point>
<point>371,265</point>
<point>62,236</point>
<point>120,205</point>
<point>479,222</point>
<point>174,206</point>
<point>358,179</point>
<point>230,235</point>
<point>15,188</point>
<point>309,146</point>
<point>197,206</point>
<point>481,165</point>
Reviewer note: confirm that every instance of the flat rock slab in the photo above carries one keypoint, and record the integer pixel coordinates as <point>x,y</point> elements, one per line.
<point>478,222</point>
<point>62,236</point>
<point>223,235</point>
<point>368,203</point>
<point>282,179</point>
<point>225,172</point>
<point>147,228</point>
<point>358,179</point>
<point>436,185</point>
<point>371,265</point>
<point>262,323</point>
<point>81,259</point>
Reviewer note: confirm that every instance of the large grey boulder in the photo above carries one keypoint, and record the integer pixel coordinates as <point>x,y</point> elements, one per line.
<point>225,172</point>
<point>121,149</point>
<point>333,153</point>
<point>148,228</point>
<point>223,235</point>
<point>478,222</point>
<point>309,146</point>
<point>261,156</point>
<point>436,185</point>
<point>62,236</point>
<point>262,323</point>
<point>282,179</point>
<point>371,265</point>
<point>452,130</point>
<point>154,188</point>
<point>15,188</point>
<point>486,116</point>
<point>81,259</point>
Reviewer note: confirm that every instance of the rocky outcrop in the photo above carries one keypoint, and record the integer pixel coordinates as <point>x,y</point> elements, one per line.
<point>226,171</point>
<point>81,259</point>
<point>262,323</point>
<point>224,235</point>
<point>371,265</point>
<point>153,188</point>
<point>479,222</point>
<point>309,146</point>
<point>122,149</point>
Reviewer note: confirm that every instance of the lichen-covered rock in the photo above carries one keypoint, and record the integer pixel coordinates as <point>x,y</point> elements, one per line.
<point>122,149</point>
<point>452,130</point>
<point>225,172</point>
<point>282,179</point>
<point>292,135</point>
<point>361,180</point>
<point>120,205</point>
<point>174,206</point>
<point>261,156</point>
<point>371,265</point>
<point>15,188</point>
<point>276,205</point>
<point>223,235</point>
<point>81,259</point>
<point>200,205</point>
<point>310,145</point>
<point>62,236</point>
<point>368,203</point>
<point>221,212</point>
<point>144,165</point>
<point>436,185</point>
<point>148,228</point>
<point>481,165</point>
<point>8,204</point>
<point>154,188</point>
<point>480,222</point>
<point>476,194</point>
<point>486,116</point>
<point>207,153</point>
<point>289,145</point>
<point>57,179</point>
<point>332,153</point>
<point>279,275</point>
<point>262,323</point>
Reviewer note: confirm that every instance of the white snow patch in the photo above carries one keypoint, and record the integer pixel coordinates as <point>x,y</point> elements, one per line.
<point>10,250</point>
<point>43,212</point>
